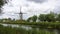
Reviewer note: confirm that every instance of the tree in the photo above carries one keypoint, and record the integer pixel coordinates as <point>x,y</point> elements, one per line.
<point>34,18</point>
<point>58,17</point>
<point>2,2</point>
<point>47,17</point>
<point>42,17</point>
<point>29,19</point>
<point>50,17</point>
<point>9,18</point>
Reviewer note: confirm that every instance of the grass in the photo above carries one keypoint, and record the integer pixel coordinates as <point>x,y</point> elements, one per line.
<point>34,24</point>
<point>10,30</point>
<point>39,24</point>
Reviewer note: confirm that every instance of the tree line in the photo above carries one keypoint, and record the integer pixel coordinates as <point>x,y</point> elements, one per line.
<point>50,17</point>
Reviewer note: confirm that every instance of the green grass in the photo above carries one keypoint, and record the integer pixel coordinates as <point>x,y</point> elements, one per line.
<point>10,30</point>
<point>55,25</point>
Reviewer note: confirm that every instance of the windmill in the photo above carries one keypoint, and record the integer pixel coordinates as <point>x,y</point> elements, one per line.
<point>20,14</point>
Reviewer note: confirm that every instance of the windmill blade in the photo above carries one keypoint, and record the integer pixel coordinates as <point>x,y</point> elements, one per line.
<point>24,13</point>
<point>20,13</point>
<point>16,13</point>
<point>10,15</point>
<point>9,12</point>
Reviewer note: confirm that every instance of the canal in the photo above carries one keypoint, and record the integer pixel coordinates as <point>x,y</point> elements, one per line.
<point>34,30</point>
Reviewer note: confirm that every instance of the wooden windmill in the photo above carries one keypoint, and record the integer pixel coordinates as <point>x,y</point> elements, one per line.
<point>21,14</point>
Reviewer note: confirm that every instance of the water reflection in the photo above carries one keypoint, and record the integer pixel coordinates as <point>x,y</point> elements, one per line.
<point>34,30</point>
<point>18,26</point>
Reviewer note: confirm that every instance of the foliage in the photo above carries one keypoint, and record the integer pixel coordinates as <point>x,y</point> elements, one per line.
<point>29,19</point>
<point>34,18</point>
<point>2,2</point>
<point>50,17</point>
<point>42,17</point>
<point>58,17</point>
<point>47,17</point>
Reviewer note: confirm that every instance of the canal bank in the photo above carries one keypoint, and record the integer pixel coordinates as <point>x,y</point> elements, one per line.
<point>34,30</point>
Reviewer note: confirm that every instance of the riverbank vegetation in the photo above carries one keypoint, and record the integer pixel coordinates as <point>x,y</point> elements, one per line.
<point>10,30</point>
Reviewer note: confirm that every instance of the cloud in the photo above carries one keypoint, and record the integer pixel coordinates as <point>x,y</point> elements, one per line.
<point>57,7</point>
<point>38,1</point>
<point>33,7</point>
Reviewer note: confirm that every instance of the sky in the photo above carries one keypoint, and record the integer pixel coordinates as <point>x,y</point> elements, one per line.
<point>30,7</point>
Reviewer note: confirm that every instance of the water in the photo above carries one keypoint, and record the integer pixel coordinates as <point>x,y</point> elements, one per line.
<point>17,26</point>
<point>27,27</point>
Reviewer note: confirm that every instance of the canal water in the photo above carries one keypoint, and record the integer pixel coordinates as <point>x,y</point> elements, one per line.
<point>37,30</point>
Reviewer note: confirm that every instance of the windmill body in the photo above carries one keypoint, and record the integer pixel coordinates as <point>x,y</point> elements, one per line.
<point>21,14</point>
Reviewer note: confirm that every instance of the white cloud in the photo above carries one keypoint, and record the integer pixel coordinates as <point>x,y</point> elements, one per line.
<point>31,8</point>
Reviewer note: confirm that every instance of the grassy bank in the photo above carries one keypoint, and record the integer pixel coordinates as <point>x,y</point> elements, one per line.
<point>10,30</point>
<point>55,25</point>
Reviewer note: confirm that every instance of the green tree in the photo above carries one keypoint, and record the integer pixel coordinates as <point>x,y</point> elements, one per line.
<point>42,17</point>
<point>58,17</point>
<point>9,18</point>
<point>2,2</point>
<point>29,19</point>
<point>47,17</point>
<point>34,18</point>
<point>50,17</point>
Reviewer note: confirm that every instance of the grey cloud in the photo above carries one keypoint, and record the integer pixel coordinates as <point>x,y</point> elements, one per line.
<point>38,1</point>
<point>57,10</point>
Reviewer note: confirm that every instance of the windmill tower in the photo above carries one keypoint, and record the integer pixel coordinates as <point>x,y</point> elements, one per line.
<point>21,14</point>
